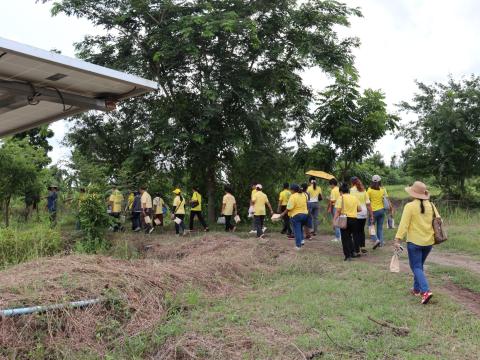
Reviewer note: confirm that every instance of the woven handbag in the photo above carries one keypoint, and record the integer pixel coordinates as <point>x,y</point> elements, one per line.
<point>439,233</point>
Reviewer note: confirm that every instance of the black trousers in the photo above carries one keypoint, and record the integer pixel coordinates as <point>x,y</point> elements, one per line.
<point>287,228</point>
<point>228,222</point>
<point>136,223</point>
<point>200,218</point>
<point>259,220</point>
<point>359,235</point>
<point>347,237</point>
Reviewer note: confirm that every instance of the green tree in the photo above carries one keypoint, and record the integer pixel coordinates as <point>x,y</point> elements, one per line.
<point>444,138</point>
<point>351,121</point>
<point>38,137</point>
<point>228,71</point>
<point>19,166</point>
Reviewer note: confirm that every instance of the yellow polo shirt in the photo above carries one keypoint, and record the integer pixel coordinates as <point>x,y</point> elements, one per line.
<point>229,202</point>
<point>180,204</point>
<point>283,197</point>
<point>297,204</point>
<point>314,193</point>
<point>350,205</point>
<point>362,197</point>
<point>197,197</point>
<point>260,200</point>
<point>334,194</point>
<point>147,200</point>
<point>116,198</point>
<point>415,225</point>
<point>158,204</point>
<point>376,198</point>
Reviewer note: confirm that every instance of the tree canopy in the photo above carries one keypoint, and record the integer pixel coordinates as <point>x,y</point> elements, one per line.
<point>229,73</point>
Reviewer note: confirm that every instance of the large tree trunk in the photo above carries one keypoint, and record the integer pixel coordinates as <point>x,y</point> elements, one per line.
<point>211,182</point>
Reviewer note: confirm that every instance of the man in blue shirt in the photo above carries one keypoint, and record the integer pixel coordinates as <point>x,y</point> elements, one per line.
<point>52,204</point>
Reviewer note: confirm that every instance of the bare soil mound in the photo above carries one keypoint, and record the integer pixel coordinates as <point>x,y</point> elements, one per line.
<point>135,292</point>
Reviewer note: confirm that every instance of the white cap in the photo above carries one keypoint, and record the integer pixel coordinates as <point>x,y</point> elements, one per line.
<point>259,186</point>
<point>376,178</point>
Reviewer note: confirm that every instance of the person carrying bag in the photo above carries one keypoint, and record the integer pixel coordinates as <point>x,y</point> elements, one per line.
<point>347,208</point>
<point>178,215</point>
<point>422,233</point>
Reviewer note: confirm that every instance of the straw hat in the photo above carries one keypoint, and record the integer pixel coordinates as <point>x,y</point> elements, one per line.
<point>418,191</point>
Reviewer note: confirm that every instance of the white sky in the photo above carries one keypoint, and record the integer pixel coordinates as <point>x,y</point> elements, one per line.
<point>402,40</point>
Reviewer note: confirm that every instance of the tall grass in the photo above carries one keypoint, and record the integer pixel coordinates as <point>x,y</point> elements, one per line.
<point>18,245</point>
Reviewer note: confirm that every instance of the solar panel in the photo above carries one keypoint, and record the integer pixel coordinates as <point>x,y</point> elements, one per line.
<point>38,87</point>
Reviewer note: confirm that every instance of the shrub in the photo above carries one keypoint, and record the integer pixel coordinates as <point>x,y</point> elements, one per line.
<point>17,246</point>
<point>94,222</point>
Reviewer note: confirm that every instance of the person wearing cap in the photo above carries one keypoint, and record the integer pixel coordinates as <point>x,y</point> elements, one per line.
<point>297,210</point>
<point>229,208</point>
<point>378,199</point>
<point>260,202</point>
<point>315,193</point>
<point>358,190</point>
<point>52,204</point>
<point>334,195</point>
<point>147,211</point>
<point>282,206</point>
<point>179,212</point>
<point>196,209</point>
<point>349,206</point>
<point>416,225</point>
<point>115,201</point>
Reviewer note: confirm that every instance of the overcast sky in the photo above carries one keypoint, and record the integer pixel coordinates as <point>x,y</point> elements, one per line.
<point>402,40</point>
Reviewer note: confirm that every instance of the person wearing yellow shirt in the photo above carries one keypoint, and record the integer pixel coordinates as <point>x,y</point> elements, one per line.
<point>130,199</point>
<point>158,205</point>
<point>260,202</point>
<point>358,190</point>
<point>115,201</point>
<point>147,211</point>
<point>349,206</point>
<point>297,210</point>
<point>179,212</point>
<point>416,225</point>
<point>334,196</point>
<point>315,196</point>
<point>378,200</point>
<point>282,206</point>
<point>196,209</point>
<point>229,208</point>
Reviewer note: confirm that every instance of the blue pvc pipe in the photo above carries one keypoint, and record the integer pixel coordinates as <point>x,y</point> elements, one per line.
<point>40,309</point>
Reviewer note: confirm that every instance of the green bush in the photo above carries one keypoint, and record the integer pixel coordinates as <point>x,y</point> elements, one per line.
<point>17,246</point>
<point>94,222</point>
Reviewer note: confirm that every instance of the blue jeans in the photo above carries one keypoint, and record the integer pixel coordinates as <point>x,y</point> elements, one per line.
<point>416,256</point>
<point>298,222</point>
<point>338,233</point>
<point>378,219</point>
<point>313,210</point>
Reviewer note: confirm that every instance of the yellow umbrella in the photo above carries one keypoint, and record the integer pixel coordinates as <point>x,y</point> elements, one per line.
<point>320,174</point>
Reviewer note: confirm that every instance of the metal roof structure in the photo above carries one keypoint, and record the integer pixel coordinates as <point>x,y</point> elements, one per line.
<point>39,87</point>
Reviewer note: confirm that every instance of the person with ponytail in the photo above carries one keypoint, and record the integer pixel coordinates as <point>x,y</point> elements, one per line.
<point>358,190</point>
<point>315,193</point>
<point>416,225</point>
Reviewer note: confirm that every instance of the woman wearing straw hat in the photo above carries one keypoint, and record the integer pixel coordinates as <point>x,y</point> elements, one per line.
<point>416,224</point>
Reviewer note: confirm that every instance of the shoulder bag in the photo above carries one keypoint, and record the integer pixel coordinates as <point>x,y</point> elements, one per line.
<point>341,221</point>
<point>439,233</point>
<point>173,216</point>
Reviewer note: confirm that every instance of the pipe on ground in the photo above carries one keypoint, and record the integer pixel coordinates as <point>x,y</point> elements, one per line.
<point>41,309</point>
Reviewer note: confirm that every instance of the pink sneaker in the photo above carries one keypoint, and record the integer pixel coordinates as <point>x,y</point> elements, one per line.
<point>426,296</point>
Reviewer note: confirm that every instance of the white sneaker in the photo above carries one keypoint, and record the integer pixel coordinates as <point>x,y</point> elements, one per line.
<point>252,231</point>
<point>303,242</point>
<point>335,240</point>
<point>298,248</point>
<point>264,229</point>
